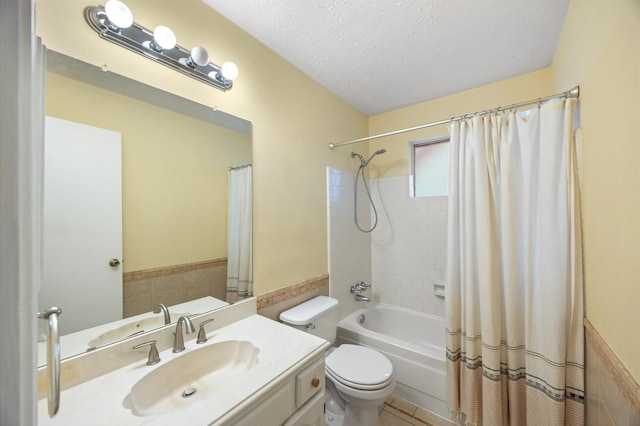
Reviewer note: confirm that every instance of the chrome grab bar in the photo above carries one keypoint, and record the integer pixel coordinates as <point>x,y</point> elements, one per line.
<point>53,358</point>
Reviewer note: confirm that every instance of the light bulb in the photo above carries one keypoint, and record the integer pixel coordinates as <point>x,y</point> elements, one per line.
<point>164,38</point>
<point>229,70</point>
<point>118,14</point>
<point>199,56</point>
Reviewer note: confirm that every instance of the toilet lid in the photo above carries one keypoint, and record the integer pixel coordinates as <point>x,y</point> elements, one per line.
<point>359,367</point>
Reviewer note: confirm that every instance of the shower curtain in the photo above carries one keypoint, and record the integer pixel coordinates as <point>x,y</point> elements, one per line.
<point>239,235</point>
<point>514,288</point>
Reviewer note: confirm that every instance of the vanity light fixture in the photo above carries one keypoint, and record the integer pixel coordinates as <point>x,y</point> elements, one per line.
<point>114,22</point>
<point>163,39</point>
<point>118,15</point>
<point>198,57</point>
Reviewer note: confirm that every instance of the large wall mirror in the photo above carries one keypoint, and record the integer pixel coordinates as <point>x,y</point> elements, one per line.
<point>136,204</point>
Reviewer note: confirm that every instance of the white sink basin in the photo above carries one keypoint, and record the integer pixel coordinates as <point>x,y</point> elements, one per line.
<point>131,328</point>
<point>194,376</point>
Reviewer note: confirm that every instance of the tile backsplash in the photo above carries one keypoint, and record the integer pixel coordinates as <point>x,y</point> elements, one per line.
<point>409,246</point>
<point>143,290</point>
<point>274,302</point>
<point>403,257</point>
<point>349,248</point>
<point>613,395</point>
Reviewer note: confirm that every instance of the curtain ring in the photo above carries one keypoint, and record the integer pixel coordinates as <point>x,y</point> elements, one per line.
<point>539,103</point>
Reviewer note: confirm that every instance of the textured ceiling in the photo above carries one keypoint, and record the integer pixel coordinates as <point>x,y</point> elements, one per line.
<point>380,55</point>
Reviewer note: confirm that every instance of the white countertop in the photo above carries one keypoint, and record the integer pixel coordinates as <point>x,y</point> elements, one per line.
<point>76,343</point>
<point>102,401</point>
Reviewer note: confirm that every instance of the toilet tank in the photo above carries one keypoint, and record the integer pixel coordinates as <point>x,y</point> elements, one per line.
<point>318,316</point>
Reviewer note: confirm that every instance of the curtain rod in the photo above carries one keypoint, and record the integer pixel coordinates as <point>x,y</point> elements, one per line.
<point>573,93</point>
<point>239,167</point>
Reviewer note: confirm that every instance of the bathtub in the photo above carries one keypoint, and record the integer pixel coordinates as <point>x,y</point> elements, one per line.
<point>413,341</point>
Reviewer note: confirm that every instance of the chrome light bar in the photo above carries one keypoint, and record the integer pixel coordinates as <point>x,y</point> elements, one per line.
<point>139,39</point>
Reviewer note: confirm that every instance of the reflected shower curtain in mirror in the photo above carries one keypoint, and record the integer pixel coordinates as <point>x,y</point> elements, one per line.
<point>239,235</point>
<point>514,289</point>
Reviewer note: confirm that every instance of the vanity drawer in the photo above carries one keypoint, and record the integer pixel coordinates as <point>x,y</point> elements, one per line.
<point>271,411</point>
<point>309,381</point>
<point>311,413</point>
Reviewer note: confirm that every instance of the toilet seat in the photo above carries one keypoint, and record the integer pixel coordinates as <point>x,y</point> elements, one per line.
<point>359,367</point>
<point>357,386</point>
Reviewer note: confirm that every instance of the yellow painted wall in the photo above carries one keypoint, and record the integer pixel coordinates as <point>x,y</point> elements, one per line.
<point>599,49</point>
<point>174,171</point>
<point>506,92</point>
<point>294,119</point>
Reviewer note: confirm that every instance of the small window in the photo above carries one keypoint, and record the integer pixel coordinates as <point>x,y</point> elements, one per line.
<point>429,163</point>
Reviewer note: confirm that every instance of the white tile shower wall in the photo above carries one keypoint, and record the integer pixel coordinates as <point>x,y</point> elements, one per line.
<point>408,247</point>
<point>349,249</point>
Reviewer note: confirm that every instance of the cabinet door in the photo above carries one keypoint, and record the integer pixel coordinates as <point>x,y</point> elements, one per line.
<point>309,381</point>
<point>310,414</point>
<point>273,410</point>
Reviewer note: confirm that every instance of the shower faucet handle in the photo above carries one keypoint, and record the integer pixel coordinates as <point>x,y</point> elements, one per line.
<point>360,287</point>
<point>365,285</point>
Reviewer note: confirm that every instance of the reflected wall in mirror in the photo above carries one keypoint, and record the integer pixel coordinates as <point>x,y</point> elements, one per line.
<point>175,158</point>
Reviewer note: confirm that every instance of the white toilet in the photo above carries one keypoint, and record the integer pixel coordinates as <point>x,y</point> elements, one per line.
<point>359,379</point>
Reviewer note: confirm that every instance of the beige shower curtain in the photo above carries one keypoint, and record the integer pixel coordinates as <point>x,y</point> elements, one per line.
<point>239,235</point>
<point>514,290</point>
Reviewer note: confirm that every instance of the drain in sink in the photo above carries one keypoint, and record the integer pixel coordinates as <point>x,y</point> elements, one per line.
<point>189,392</point>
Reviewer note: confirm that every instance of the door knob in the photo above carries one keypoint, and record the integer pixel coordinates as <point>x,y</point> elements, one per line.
<point>114,263</point>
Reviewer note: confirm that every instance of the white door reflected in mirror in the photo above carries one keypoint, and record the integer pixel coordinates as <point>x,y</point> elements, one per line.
<point>82,224</point>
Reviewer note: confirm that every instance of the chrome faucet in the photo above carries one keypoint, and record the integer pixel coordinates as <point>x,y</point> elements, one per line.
<point>165,311</point>
<point>358,288</point>
<point>178,342</point>
<point>202,335</point>
<point>361,298</point>
<point>154,356</point>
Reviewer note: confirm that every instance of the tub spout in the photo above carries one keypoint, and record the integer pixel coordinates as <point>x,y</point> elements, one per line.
<point>361,298</point>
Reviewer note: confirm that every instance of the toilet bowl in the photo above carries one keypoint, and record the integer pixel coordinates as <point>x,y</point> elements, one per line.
<point>363,378</point>
<point>359,379</point>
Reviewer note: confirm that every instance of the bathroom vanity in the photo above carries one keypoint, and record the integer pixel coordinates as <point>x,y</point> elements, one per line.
<point>91,338</point>
<point>250,371</point>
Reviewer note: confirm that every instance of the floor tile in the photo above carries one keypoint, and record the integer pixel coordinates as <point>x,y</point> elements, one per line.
<point>397,418</point>
<point>402,405</point>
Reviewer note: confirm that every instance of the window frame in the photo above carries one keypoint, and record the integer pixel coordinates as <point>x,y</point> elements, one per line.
<point>412,161</point>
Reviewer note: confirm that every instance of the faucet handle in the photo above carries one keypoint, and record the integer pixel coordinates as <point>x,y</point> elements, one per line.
<point>202,335</point>
<point>364,285</point>
<point>360,287</point>
<point>154,357</point>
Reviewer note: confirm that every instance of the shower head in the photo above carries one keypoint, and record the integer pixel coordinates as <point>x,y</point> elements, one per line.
<point>355,154</point>
<point>363,162</point>
<point>378,152</point>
